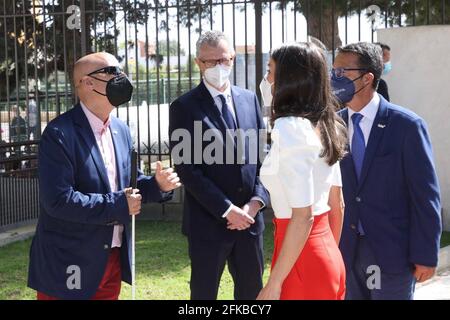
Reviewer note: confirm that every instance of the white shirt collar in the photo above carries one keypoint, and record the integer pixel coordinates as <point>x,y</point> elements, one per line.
<point>370,110</point>
<point>214,92</point>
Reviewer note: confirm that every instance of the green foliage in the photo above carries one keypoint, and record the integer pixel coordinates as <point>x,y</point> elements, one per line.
<point>43,44</point>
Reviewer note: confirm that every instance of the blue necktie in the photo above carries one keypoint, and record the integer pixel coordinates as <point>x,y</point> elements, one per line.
<point>226,114</point>
<point>358,144</point>
<point>358,150</point>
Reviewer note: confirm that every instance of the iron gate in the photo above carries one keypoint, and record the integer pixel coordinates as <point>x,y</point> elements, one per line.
<point>41,39</point>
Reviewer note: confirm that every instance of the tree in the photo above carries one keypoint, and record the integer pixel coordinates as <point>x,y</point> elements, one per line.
<point>322,15</point>
<point>34,46</point>
<point>42,43</point>
<point>173,48</point>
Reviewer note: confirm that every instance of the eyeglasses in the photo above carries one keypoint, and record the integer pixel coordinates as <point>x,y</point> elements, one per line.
<point>214,62</point>
<point>340,72</point>
<point>113,70</point>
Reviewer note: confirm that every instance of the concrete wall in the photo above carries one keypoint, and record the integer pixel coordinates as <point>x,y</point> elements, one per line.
<point>420,81</point>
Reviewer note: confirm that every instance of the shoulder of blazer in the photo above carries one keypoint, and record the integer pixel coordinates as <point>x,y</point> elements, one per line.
<point>244,92</point>
<point>68,119</point>
<point>188,100</point>
<point>193,94</point>
<point>399,113</point>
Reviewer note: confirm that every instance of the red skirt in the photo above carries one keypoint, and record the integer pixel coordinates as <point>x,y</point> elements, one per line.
<point>319,272</point>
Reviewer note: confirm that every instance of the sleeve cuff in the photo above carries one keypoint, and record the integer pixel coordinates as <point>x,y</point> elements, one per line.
<point>263,205</point>
<point>166,196</point>
<point>227,212</point>
<point>254,198</point>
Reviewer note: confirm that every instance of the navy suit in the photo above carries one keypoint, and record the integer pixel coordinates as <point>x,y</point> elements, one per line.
<point>78,211</point>
<point>397,199</point>
<point>212,188</point>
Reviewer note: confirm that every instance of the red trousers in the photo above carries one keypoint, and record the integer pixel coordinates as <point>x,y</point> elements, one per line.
<point>319,272</point>
<point>109,288</point>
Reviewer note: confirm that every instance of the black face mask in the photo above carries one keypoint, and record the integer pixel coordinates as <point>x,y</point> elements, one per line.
<point>118,90</point>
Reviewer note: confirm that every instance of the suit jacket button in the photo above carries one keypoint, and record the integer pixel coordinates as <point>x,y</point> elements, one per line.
<point>358,199</point>
<point>240,189</point>
<point>353,226</point>
<point>106,247</point>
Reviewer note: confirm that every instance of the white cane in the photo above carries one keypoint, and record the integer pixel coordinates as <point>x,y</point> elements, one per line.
<point>133,259</point>
<point>133,226</point>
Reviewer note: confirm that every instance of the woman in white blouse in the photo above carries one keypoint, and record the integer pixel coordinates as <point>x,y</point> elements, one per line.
<point>302,174</point>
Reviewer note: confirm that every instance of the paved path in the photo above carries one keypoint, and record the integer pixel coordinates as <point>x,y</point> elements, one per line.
<point>437,288</point>
<point>18,234</point>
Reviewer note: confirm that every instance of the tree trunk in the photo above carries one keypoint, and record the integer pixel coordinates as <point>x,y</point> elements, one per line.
<point>328,21</point>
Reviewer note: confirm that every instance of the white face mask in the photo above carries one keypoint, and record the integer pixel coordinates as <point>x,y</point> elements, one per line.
<point>266,91</point>
<point>218,76</point>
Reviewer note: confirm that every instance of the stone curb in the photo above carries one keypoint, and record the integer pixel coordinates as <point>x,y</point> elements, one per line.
<point>15,235</point>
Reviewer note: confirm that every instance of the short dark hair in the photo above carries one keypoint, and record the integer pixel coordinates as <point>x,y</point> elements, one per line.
<point>370,57</point>
<point>383,46</point>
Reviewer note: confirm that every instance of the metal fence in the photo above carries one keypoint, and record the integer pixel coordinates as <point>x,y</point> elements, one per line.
<point>18,184</point>
<point>155,42</point>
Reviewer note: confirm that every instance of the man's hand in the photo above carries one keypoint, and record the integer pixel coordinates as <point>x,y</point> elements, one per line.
<point>134,201</point>
<point>167,179</point>
<point>238,219</point>
<point>423,273</point>
<point>252,208</point>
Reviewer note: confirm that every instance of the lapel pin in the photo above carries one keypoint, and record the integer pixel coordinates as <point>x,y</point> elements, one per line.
<point>382,126</point>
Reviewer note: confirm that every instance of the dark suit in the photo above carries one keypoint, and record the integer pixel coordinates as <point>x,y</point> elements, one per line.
<point>211,189</point>
<point>397,200</point>
<point>78,211</point>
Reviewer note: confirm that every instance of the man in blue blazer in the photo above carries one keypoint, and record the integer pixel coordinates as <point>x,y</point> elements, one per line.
<point>392,222</point>
<point>81,249</point>
<point>222,208</point>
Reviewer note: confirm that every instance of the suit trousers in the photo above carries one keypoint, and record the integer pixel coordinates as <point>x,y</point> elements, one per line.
<point>244,255</point>
<point>366,280</point>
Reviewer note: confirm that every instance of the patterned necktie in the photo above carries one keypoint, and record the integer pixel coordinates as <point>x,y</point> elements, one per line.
<point>226,114</point>
<point>358,150</point>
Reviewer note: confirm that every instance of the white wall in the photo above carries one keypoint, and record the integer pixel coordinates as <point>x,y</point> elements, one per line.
<point>420,81</point>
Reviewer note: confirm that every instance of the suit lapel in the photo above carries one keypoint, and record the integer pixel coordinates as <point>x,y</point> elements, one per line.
<point>239,109</point>
<point>376,133</point>
<point>344,115</point>
<point>347,163</point>
<point>210,108</point>
<point>85,131</point>
<point>119,149</point>
<point>242,122</point>
<point>348,168</point>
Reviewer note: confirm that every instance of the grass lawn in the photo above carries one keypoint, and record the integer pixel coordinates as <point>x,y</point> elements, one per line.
<point>162,265</point>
